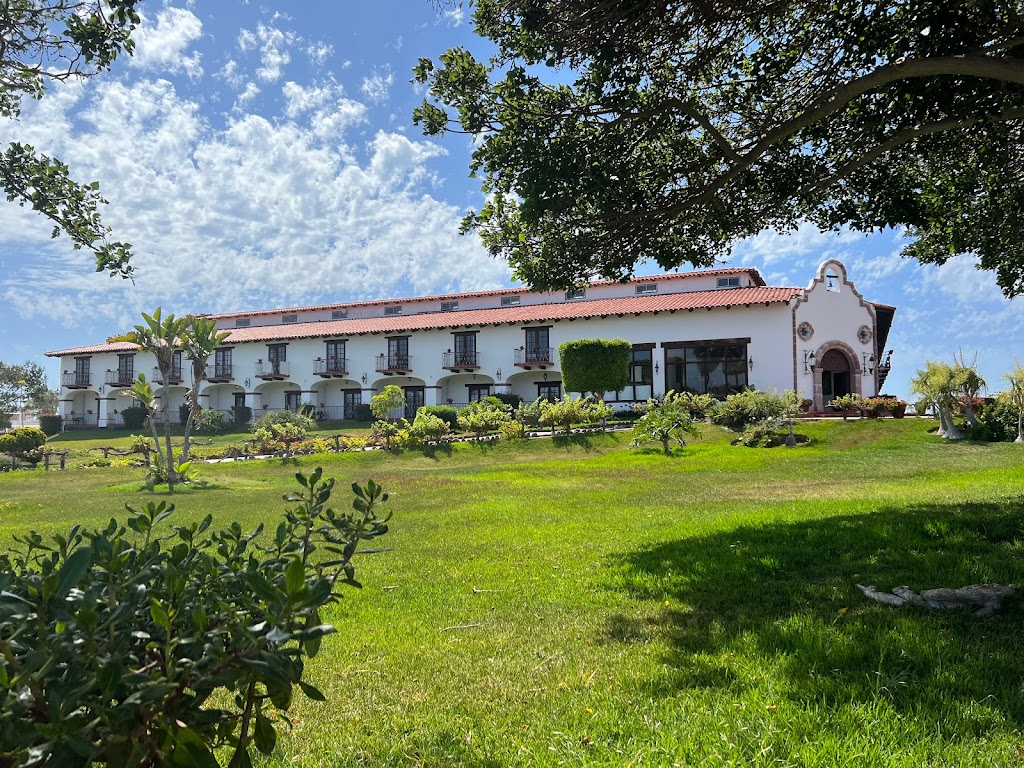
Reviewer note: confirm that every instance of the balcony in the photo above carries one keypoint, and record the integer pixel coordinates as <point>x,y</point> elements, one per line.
<point>534,357</point>
<point>175,378</point>
<point>460,361</point>
<point>389,364</point>
<point>215,373</point>
<point>76,380</point>
<point>332,366</point>
<point>123,377</point>
<point>274,370</point>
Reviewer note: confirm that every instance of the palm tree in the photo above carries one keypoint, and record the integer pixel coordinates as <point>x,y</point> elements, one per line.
<point>970,384</point>
<point>200,339</point>
<point>159,336</point>
<point>938,385</point>
<point>1015,396</point>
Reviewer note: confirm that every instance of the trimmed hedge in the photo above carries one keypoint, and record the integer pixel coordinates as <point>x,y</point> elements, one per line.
<point>446,413</point>
<point>595,365</point>
<point>134,417</point>
<point>50,423</point>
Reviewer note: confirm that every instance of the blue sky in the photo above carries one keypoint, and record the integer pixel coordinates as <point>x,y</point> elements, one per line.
<point>262,154</point>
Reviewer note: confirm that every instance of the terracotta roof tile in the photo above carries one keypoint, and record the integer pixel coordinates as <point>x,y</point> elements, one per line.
<point>530,313</point>
<point>754,274</point>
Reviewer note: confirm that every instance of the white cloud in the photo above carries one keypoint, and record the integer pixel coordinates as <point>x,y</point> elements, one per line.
<point>275,209</point>
<point>318,53</point>
<point>453,17</point>
<point>250,92</point>
<point>377,86</point>
<point>163,45</point>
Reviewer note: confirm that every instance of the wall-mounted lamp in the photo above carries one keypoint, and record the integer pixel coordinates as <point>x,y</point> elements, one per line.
<point>497,374</point>
<point>808,361</point>
<point>545,375</point>
<point>750,363</point>
<point>657,368</point>
<point>101,389</point>
<point>869,362</point>
<point>364,378</point>
<point>248,383</point>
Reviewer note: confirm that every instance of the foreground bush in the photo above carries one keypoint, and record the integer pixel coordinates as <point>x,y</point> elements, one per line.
<point>750,407</point>
<point>665,421</point>
<point>154,648</point>
<point>23,443</point>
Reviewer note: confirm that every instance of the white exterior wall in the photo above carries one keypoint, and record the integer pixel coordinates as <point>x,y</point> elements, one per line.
<point>836,316</point>
<point>775,353</point>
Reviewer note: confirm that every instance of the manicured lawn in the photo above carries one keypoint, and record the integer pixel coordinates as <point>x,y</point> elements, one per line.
<point>573,602</point>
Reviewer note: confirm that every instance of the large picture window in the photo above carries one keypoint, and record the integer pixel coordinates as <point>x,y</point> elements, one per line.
<point>716,368</point>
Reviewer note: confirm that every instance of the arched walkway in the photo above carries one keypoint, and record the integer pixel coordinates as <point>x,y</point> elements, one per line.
<point>337,399</point>
<point>462,388</point>
<point>529,385</point>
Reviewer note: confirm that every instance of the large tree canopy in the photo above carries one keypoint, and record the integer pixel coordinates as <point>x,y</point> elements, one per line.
<point>44,42</point>
<point>611,132</point>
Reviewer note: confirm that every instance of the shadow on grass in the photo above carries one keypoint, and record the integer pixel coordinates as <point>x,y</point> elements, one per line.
<point>779,602</point>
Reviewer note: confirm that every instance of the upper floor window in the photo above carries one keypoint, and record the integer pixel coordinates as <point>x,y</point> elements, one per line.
<point>508,301</point>
<point>576,293</point>
<point>339,314</point>
<point>647,288</point>
<point>242,322</point>
<point>449,306</point>
<point>396,310</point>
<point>728,282</point>
<point>289,318</point>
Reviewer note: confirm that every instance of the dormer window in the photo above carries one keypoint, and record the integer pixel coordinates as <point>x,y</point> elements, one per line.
<point>449,306</point>
<point>339,314</point>
<point>728,282</point>
<point>647,288</point>
<point>509,301</point>
<point>396,310</point>
<point>289,318</point>
<point>575,293</point>
<point>242,322</point>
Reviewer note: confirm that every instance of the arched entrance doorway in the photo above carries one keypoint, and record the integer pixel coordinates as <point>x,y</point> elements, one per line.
<point>836,376</point>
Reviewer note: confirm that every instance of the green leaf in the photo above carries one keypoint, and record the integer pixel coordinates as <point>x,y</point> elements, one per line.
<point>312,692</point>
<point>294,577</point>
<point>74,569</point>
<point>190,751</point>
<point>264,735</point>
<point>159,614</point>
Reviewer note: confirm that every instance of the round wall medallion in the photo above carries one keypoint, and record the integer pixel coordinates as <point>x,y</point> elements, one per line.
<point>864,334</point>
<point>805,331</point>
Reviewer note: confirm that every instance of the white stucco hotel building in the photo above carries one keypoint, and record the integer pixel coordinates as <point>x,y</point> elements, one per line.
<point>715,331</point>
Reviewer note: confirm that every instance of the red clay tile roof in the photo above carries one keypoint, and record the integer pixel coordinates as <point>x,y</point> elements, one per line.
<point>530,313</point>
<point>754,275</point>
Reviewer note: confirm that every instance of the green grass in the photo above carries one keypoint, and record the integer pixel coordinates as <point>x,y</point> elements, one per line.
<point>572,602</point>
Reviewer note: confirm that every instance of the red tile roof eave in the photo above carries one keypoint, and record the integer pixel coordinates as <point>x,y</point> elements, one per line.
<point>495,292</point>
<point>595,308</point>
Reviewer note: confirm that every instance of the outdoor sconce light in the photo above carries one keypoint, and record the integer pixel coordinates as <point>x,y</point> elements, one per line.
<point>247,383</point>
<point>750,362</point>
<point>657,368</point>
<point>364,378</point>
<point>545,375</point>
<point>497,374</point>
<point>808,361</point>
<point>868,362</point>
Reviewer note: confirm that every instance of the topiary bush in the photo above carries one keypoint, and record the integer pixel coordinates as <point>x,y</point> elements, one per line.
<point>363,412</point>
<point>158,645</point>
<point>50,423</point>
<point>23,443</point>
<point>483,416</point>
<point>242,414</point>
<point>512,401</point>
<point>134,417</point>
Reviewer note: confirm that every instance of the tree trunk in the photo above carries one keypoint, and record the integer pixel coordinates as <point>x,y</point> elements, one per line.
<point>1020,426</point>
<point>664,442</point>
<point>952,430</point>
<point>940,411</point>
<point>972,420</point>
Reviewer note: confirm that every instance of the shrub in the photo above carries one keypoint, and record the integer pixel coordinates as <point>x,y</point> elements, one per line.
<point>390,399</point>
<point>183,413</point>
<point>426,426</point>
<point>748,407</point>
<point>161,646</point>
<point>626,414</point>
<point>529,414</point>
<point>242,414</point>
<point>271,437</point>
<point>270,418</point>
<point>308,410</point>
<point>5,420</point>
<point>665,421</point>
<point>565,412</point>
<point>512,401</point>
<point>848,404</point>
<point>363,412</point>
<point>763,434</point>
<point>22,443</point>
<point>211,422</point>
<point>595,365</point>
<point>447,413</point>
<point>483,416</point>
<point>134,417</point>
<point>390,434</point>
<point>50,423</point>
<point>512,430</point>
<point>997,420</point>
